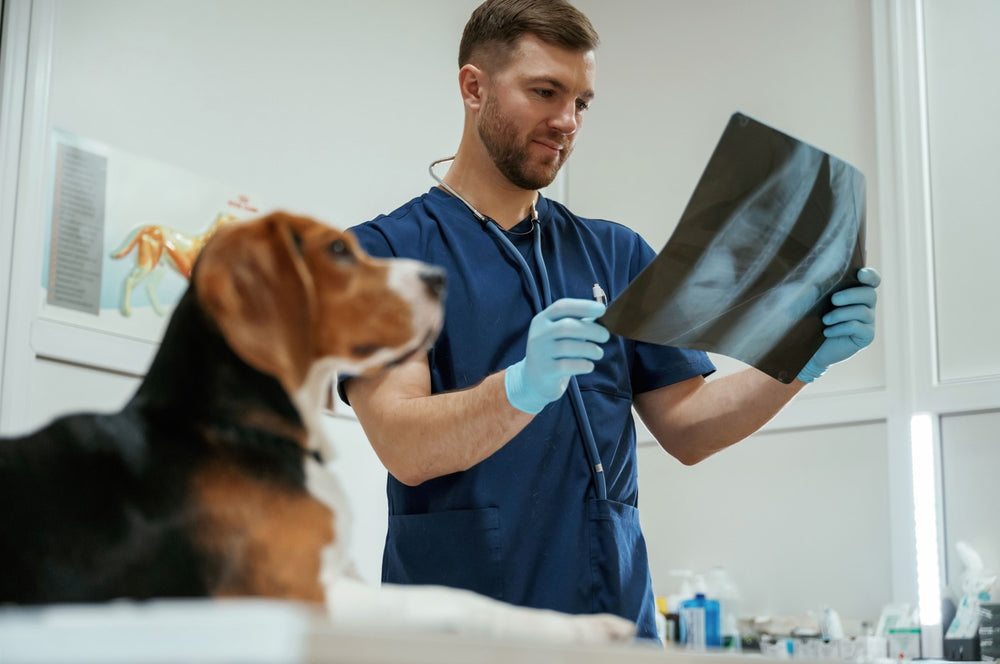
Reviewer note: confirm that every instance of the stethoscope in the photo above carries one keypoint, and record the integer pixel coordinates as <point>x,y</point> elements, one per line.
<point>540,300</point>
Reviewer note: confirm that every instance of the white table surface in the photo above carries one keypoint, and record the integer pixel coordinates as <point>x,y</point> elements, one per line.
<point>266,631</point>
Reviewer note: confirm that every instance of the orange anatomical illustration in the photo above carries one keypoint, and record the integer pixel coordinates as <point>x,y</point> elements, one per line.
<point>155,243</point>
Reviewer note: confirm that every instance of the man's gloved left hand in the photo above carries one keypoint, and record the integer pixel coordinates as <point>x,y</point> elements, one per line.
<point>850,326</point>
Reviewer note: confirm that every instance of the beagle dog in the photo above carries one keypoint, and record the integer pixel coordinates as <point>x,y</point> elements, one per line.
<point>207,483</point>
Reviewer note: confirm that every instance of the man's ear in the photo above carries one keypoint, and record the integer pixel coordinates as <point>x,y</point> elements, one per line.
<point>472,82</point>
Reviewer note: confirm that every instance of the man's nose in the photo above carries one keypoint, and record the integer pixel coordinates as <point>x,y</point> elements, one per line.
<point>565,121</point>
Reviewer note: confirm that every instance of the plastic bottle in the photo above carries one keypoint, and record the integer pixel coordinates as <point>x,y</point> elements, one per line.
<point>730,633</point>
<point>662,625</point>
<point>719,586</point>
<point>700,623</point>
<point>673,603</point>
<point>686,590</point>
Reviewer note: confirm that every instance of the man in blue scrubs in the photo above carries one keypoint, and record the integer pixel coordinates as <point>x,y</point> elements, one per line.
<point>490,487</point>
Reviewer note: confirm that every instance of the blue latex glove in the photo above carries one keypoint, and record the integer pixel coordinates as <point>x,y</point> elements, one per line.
<point>562,342</point>
<point>850,326</point>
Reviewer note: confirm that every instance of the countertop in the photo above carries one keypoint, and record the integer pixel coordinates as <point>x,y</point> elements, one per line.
<point>267,631</point>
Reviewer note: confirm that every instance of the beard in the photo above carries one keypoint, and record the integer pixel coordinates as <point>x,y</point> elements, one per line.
<point>510,153</point>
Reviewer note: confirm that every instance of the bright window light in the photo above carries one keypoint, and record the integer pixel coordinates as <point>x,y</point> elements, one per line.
<point>925,515</point>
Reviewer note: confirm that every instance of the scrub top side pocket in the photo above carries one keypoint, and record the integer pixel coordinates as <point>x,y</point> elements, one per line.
<point>620,565</point>
<point>456,548</point>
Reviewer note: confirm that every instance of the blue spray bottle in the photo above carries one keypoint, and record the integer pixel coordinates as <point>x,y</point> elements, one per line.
<point>700,623</point>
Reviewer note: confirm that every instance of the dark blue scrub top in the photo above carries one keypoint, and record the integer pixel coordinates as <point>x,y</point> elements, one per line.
<point>524,525</point>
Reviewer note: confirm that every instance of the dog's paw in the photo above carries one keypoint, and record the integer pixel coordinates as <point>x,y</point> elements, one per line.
<point>603,628</point>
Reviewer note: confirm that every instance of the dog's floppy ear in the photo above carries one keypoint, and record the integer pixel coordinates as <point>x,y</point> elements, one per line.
<point>252,280</point>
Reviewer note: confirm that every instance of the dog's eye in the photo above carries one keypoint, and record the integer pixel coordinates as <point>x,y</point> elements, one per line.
<point>340,251</point>
<point>364,350</point>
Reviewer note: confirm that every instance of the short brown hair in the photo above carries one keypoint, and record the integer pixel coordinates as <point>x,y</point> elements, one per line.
<point>496,25</point>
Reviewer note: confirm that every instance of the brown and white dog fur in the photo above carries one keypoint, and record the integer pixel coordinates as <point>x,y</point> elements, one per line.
<point>207,484</point>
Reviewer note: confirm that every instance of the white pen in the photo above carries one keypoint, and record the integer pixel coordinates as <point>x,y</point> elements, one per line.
<point>599,295</point>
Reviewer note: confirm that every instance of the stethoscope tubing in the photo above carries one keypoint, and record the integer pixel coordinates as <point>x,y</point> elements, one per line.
<point>541,300</point>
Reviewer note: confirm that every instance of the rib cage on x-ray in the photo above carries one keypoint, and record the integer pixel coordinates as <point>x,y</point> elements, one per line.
<point>772,229</point>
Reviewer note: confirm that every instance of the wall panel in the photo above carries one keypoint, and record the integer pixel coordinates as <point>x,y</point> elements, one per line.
<point>963,103</point>
<point>970,462</point>
<point>799,518</point>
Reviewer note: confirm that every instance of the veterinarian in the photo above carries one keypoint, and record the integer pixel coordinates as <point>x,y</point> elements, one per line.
<point>491,487</point>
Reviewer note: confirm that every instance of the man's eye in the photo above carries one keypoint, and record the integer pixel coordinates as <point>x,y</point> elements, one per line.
<point>340,251</point>
<point>544,93</point>
<point>582,105</point>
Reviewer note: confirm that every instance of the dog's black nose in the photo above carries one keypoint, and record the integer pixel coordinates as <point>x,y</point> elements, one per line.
<point>435,280</point>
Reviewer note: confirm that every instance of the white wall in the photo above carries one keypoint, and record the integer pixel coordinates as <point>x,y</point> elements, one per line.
<point>962,56</point>
<point>970,464</point>
<point>671,73</point>
<point>307,103</point>
<point>335,109</point>
<point>774,509</point>
<point>944,173</point>
<point>798,518</point>
<point>292,101</point>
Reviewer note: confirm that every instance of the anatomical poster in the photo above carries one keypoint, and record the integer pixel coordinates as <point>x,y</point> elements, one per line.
<point>774,227</point>
<point>122,233</point>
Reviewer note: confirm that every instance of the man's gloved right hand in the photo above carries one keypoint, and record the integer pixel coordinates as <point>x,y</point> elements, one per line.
<point>562,342</point>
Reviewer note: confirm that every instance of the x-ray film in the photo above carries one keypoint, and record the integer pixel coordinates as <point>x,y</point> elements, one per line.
<point>773,228</point>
